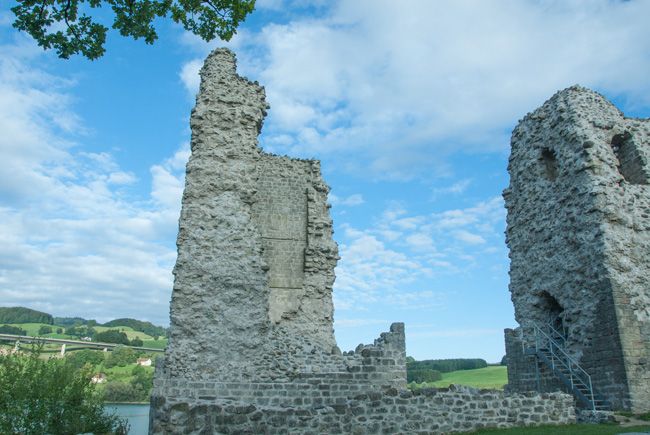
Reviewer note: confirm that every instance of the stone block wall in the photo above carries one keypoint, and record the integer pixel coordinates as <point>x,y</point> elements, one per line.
<point>524,372</point>
<point>392,411</point>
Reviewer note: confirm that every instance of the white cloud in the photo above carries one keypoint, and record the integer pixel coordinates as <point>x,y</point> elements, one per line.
<point>189,75</point>
<point>455,189</point>
<point>390,262</point>
<point>420,241</point>
<point>401,86</point>
<point>121,177</point>
<point>467,237</point>
<point>367,268</point>
<point>72,242</point>
<point>409,223</point>
<point>384,266</point>
<point>168,179</point>
<point>349,201</point>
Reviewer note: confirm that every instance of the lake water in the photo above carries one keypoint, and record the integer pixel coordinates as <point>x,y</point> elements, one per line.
<point>138,416</point>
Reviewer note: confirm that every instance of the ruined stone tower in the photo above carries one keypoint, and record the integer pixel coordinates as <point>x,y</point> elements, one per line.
<point>251,310</point>
<point>578,229</point>
<point>251,346</point>
<point>255,251</point>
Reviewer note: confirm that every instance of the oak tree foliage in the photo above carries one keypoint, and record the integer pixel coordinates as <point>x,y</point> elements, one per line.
<point>51,396</point>
<point>73,27</point>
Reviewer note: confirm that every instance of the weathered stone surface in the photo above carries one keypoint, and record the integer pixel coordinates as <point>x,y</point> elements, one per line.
<point>256,258</point>
<point>453,410</point>
<point>578,232</point>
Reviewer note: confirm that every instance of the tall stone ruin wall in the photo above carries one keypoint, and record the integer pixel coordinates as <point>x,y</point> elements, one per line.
<point>256,258</point>
<point>251,346</point>
<point>578,232</point>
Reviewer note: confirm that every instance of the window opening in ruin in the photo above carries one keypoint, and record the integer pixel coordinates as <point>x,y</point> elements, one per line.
<point>550,163</point>
<point>552,313</point>
<point>630,163</point>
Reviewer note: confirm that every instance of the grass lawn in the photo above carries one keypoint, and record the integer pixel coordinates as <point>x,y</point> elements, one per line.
<point>161,343</point>
<point>121,374</point>
<point>488,377</point>
<point>573,429</point>
<point>32,328</point>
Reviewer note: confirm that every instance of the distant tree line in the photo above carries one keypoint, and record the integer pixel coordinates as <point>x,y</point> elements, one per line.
<point>138,325</point>
<point>8,329</point>
<point>69,321</point>
<point>117,337</point>
<point>422,375</point>
<point>447,365</point>
<point>24,315</point>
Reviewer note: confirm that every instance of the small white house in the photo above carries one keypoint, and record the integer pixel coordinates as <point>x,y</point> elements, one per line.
<point>144,362</point>
<point>98,378</point>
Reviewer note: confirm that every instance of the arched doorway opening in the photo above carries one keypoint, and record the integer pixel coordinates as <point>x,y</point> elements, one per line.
<point>552,313</point>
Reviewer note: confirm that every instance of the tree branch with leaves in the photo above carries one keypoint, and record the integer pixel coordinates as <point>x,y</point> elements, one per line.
<point>68,26</point>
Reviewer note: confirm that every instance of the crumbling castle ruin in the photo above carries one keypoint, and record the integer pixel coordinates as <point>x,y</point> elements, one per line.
<point>579,237</point>
<point>252,348</point>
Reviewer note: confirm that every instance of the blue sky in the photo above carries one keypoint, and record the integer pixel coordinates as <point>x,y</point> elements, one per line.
<point>409,105</point>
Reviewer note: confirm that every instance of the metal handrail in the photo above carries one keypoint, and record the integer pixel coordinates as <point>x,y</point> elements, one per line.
<point>557,350</point>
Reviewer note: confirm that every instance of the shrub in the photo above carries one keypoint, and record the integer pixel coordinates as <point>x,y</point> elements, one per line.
<point>44,330</point>
<point>423,375</point>
<point>51,396</point>
<point>8,329</point>
<point>78,359</point>
<point>112,336</point>
<point>123,392</point>
<point>121,356</point>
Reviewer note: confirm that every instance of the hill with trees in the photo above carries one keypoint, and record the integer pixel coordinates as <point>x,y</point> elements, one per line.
<point>138,325</point>
<point>70,321</point>
<point>24,315</point>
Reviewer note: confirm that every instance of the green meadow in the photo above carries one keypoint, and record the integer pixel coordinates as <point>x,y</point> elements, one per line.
<point>492,377</point>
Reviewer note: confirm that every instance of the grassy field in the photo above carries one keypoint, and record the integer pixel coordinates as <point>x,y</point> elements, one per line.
<point>573,429</point>
<point>488,377</point>
<point>161,343</point>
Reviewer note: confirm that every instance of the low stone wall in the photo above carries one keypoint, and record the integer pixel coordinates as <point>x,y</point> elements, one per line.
<point>392,411</point>
<point>524,374</point>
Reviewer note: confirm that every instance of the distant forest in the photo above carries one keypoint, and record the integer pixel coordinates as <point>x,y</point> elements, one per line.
<point>14,315</point>
<point>24,315</point>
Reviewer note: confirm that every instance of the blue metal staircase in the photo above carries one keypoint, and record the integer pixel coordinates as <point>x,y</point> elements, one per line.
<point>549,348</point>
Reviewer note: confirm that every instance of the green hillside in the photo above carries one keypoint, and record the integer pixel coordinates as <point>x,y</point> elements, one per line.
<point>23,315</point>
<point>138,325</point>
<point>39,324</point>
